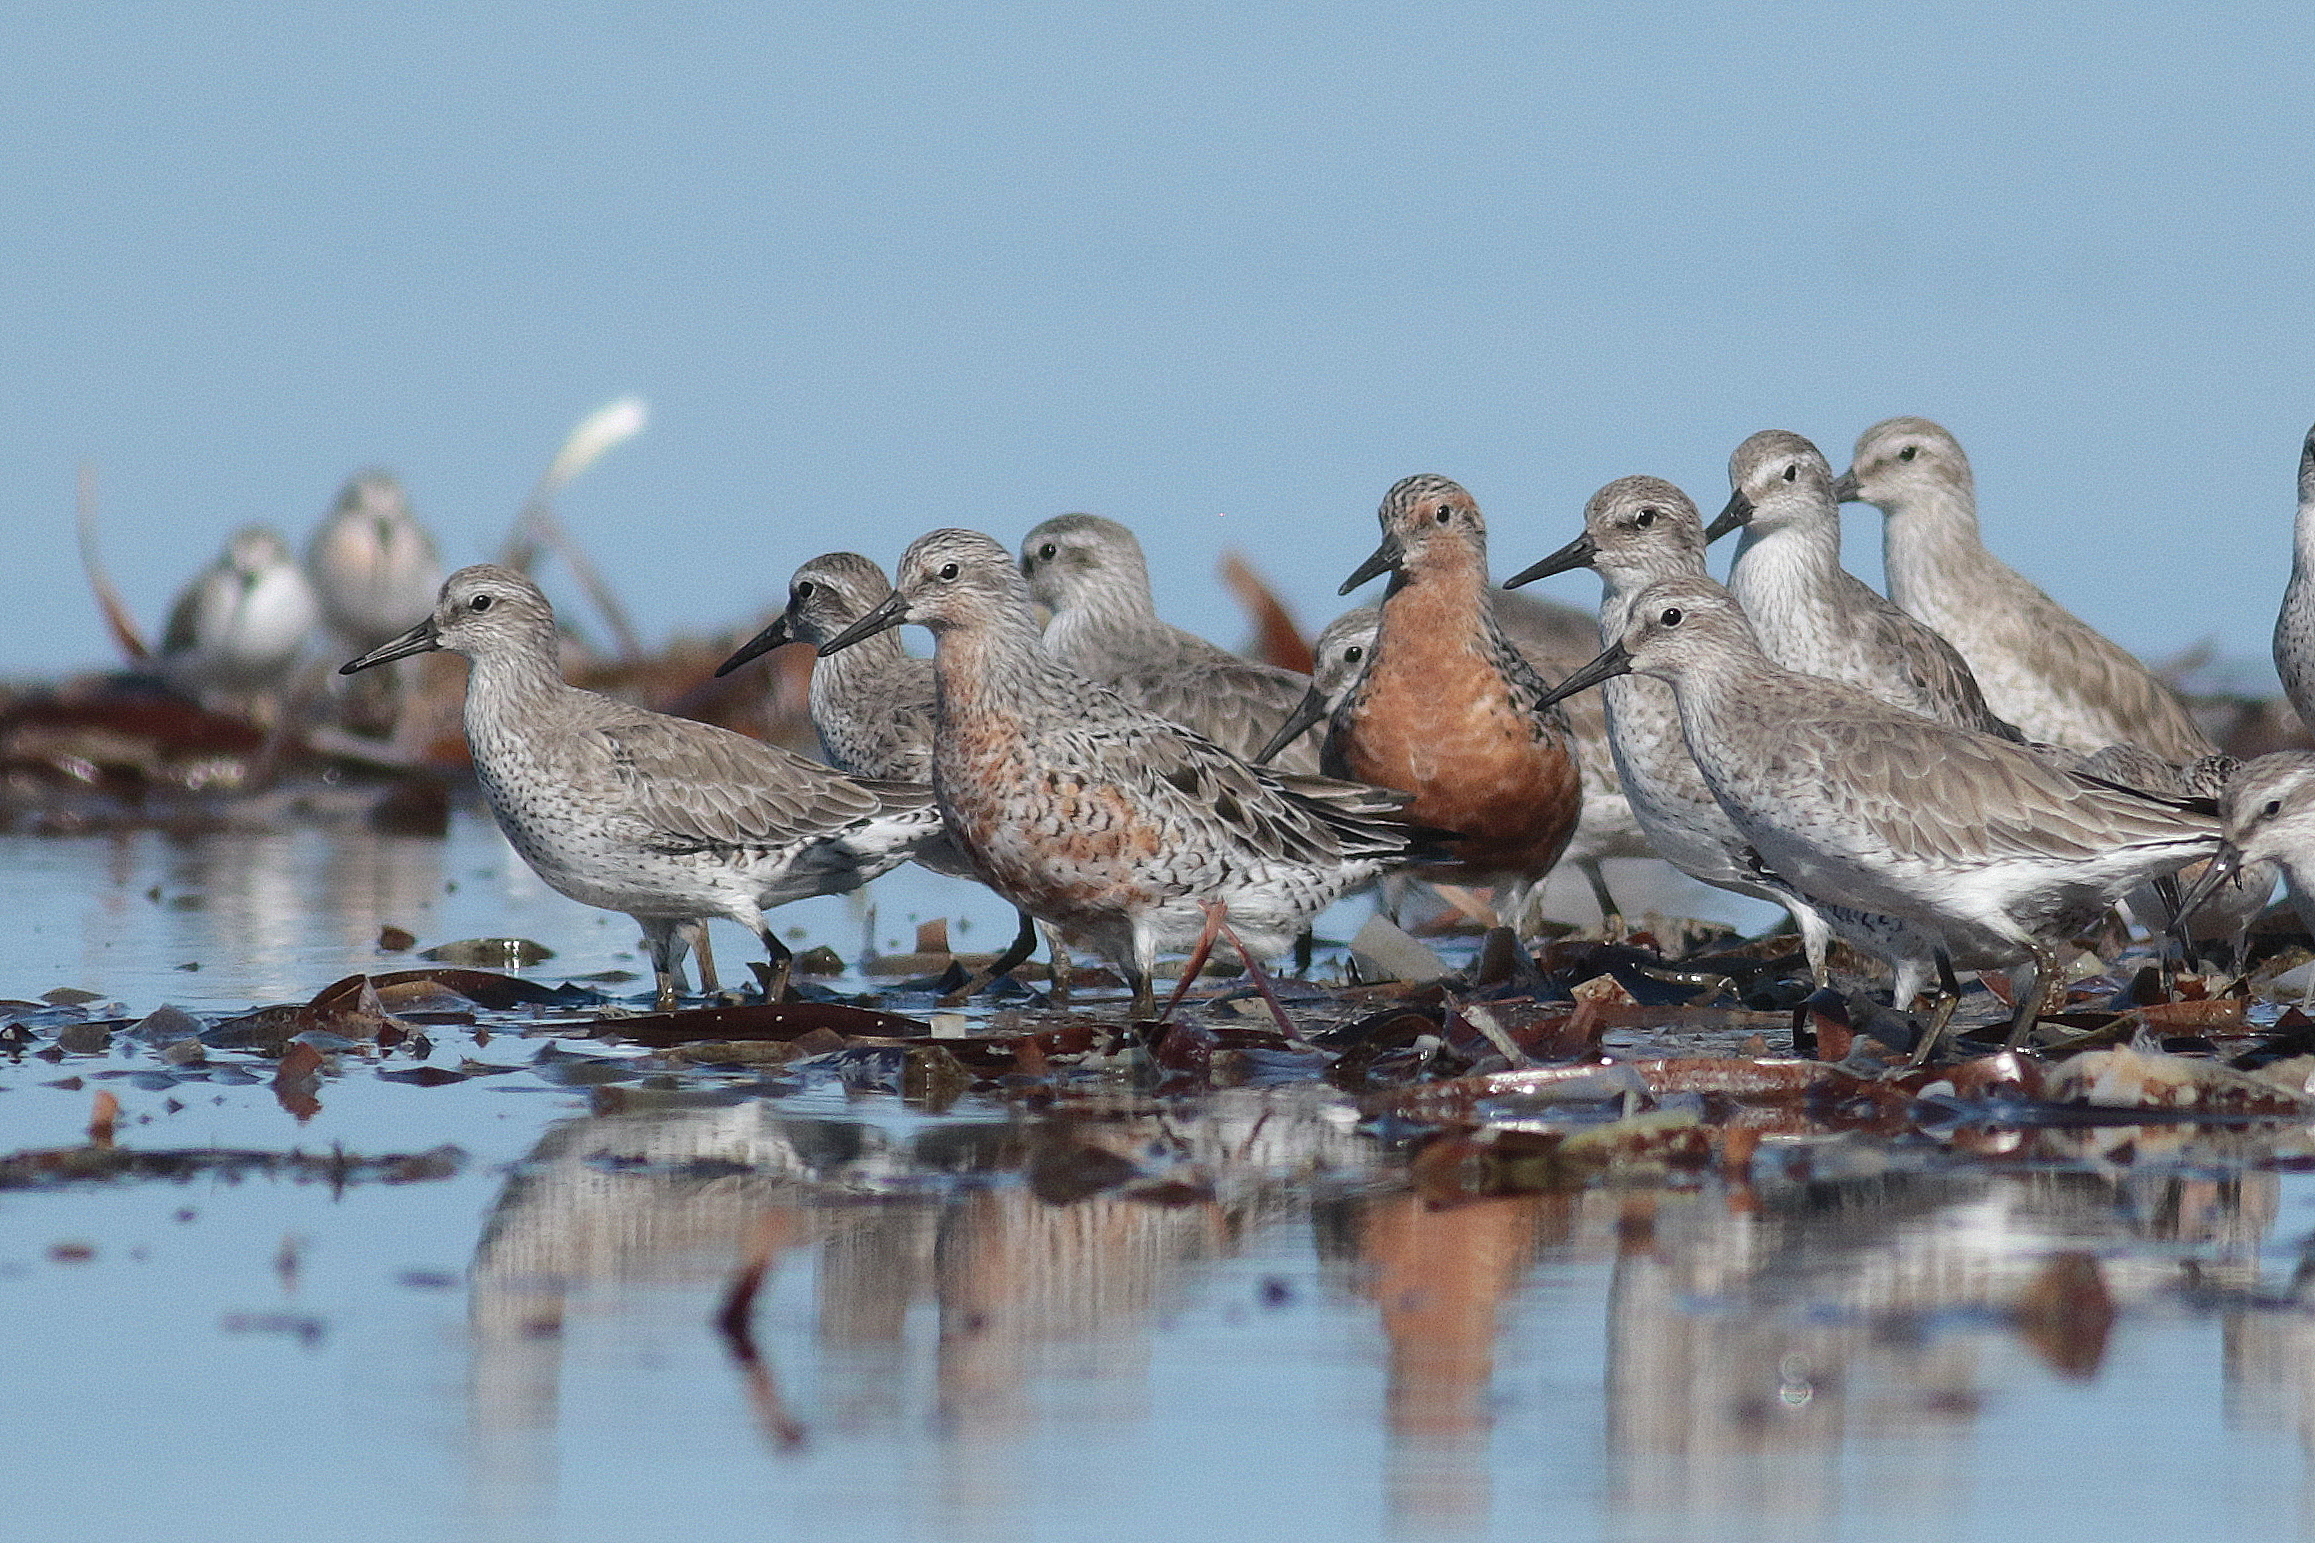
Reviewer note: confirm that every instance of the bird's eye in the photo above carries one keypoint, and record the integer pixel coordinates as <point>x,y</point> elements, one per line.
<point>2274,807</point>
<point>1645,518</point>
<point>1353,654</point>
<point>948,571</point>
<point>1671,616</point>
<point>1792,471</point>
<point>1444,514</point>
<point>479,603</point>
<point>1048,551</point>
<point>1908,453</point>
<point>804,588</point>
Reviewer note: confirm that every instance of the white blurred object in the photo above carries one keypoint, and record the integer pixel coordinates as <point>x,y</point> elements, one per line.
<point>242,623</point>
<point>374,568</point>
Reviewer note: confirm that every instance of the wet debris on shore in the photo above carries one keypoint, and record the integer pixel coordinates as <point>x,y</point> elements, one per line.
<point>58,1167</point>
<point>1526,1069</point>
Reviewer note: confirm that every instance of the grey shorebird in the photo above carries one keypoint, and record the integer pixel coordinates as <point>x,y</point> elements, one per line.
<point>241,625</point>
<point>1974,840</point>
<point>1123,828</point>
<point>1812,614</point>
<point>2267,813</point>
<point>666,819</point>
<point>1090,574</point>
<point>1638,530</point>
<point>2039,666</point>
<point>1447,710</point>
<point>2295,623</point>
<point>871,704</point>
<point>373,566</point>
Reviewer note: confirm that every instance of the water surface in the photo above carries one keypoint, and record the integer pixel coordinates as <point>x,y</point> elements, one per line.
<point>972,1326</point>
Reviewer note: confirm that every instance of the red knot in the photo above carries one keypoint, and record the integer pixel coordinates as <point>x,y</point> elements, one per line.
<point>1088,811</point>
<point>2295,622</point>
<point>1975,840</point>
<point>1813,615</point>
<point>871,703</point>
<point>1090,574</point>
<point>373,566</point>
<point>1540,631</point>
<point>1638,530</point>
<point>240,627</point>
<point>1447,710</point>
<point>2267,814</point>
<point>666,819</point>
<point>2040,666</point>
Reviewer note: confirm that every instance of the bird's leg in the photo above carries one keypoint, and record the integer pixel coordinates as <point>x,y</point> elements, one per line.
<point>1015,955</point>
<point>773,975</point>
<point>1254,973</point>
<point>1205,946</point>
<point>696,934</point>
<point>2031,1002</point>
<point>2188,957</point>
<point>1511,905</point>
<point>1611,917</point>
<point>1018,951</point>
<point>1948,998</point>
<point>1064,968</point>
<point>663,940</point>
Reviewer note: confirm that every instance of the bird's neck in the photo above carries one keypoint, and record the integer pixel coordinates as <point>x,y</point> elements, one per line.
<point>1102,621</point>
<point>2303,540</point>
<point>991,666</point>
<point>1785,577</point>
<point>508,693</point>
<point>1929,544</point>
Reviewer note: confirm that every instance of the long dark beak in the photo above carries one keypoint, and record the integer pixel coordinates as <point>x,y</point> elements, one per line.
<point>2221,868</point>
<point>1737,511</point>
<point>758,646</point>
<point>1384,558</point>
<point>1306,712</point>
<point>1845,489</point>
<point>890,613</point>
<point>1616,661</point>
<point>421,639</point>
<point>1576,554</point>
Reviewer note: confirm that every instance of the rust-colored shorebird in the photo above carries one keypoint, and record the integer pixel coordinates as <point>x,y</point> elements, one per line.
<point>1125,829</point>
<point>1447,710</point>
<point>871,704</point>
<point>1540,631</point>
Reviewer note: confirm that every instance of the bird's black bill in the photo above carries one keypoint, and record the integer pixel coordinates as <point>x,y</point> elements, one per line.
<point>1306,712</point>
<point>884,618</point>
<point>758,646</point>
<point>1576,554</point>
<point>1616,661</point>
<point>1736,512</point>
<point>421,639</point>
<point>1845,489</point>
<point>1383,559</point>
<point>2221,868</point>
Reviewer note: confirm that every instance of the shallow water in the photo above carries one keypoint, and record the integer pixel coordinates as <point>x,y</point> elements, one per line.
<point>970,1328</point>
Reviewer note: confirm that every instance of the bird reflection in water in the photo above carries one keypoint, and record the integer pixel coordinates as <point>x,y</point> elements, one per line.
<point>978,1284</point>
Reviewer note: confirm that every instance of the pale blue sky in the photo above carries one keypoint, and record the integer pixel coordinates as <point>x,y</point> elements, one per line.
<point>1224,275</point>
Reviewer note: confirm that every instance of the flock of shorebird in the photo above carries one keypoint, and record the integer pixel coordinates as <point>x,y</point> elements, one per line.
<point>245,622</point>
<point>1959,776</point>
